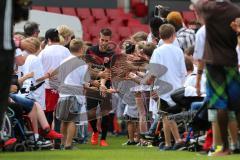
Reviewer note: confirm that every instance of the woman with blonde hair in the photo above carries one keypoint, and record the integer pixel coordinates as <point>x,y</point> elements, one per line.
<point>66,34</point>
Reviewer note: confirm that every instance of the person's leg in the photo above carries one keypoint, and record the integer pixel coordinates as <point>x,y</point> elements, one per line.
<point>217,141</point>
<point>41,116</point>
<point>91,112</point>
<point>49,117</point>
<point>212,117</point>
<point>71,129</point>
<point>111,123</point>
<point>233,130</point>
<point>104,126</point>
<point>142,113</point>
<point>46,130</point>
<point>238,119</point>
<point>219,79</point>
<point>93,124</point>
<point>175,132</point>
<point>167,132</point>
<point>153,126</point>
<point>222,117</point>
<point>6,71</point>
<point>33,116</point>
<point>57,124</point>
<point>136,130</point>
<point>130,128</point>
<point>63,131</point>
<point>92,118</point>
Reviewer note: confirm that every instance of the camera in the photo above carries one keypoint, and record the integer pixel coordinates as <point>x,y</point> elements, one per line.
<point>129,48</point>
<point>21,10</point>
<point>161,11</point>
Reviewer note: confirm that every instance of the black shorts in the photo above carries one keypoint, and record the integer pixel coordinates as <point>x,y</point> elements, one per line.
<point>92,103</point>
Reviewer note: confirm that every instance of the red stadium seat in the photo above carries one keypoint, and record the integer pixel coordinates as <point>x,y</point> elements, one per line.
<point>98,13</point>
<point>133,22</point>
<point>85,29</point>
<point>40,8</point>
<point>188,16</point>
<point>115,13</point>
<point>94,31</point>
<point>117,22</point>
<point>89,21</point>
<point>95,41</point>
<point>138,28</point>
<point>113,29</point>
<point>115,38</point>
<point>86,37</point>
<point>83,13</point>
<point>124,32</point>
<point>102,22</point>
<point>54,9</point>
<point>69,11</point>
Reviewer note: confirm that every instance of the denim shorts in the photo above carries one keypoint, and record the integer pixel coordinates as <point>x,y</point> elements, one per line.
<point>26,103</point>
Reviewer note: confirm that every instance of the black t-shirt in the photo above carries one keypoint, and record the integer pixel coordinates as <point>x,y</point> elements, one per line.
<point>99,56</point>
<point>97,59</point>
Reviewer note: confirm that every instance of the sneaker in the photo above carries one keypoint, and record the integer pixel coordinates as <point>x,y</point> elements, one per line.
<point>103,143</point>
<point>161,145</point>
<point>44,143</point>
<point>221,153</point>
<point>166,148</point>
<point>179,146</point>
<point>71,148</point>
<point>213,151</point>
<point>39,143</point>
<point>94,139</point>
<point>129,143</point>
<point>68,147</point>
<point>147,135</point>
<point>53,135</point>
<point>9,142</point>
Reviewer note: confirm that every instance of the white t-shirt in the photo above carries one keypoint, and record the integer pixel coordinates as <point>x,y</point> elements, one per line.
<point>200,43</point>
<point>33,64</point>
<point>172,57</point>
<point>175,42</point>
<point>75,78</point>
<point>51,57</point>
<point>190,84</point>
<point>131,111</point>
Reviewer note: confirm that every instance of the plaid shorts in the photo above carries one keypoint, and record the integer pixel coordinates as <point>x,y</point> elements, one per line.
<point>223,87</point>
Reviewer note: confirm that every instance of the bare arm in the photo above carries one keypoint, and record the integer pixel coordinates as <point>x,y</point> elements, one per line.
<point>48,75</point>
<point>200,68</point>
<point>25,77</point>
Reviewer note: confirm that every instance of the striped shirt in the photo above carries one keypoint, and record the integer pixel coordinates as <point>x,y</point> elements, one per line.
<point>6,25</point>
<point>186,38</point>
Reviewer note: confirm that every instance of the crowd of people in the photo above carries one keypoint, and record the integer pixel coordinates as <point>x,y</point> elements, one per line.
<point>65,85</point>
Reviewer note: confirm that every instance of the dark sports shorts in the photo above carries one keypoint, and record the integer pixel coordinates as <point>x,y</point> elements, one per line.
<point>223,87</point>
<point>94,99</point>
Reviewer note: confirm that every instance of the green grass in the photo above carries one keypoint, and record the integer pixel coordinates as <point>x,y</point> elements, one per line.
<point>114,152</point>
